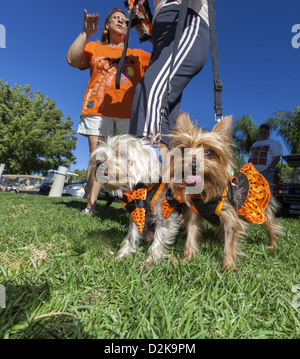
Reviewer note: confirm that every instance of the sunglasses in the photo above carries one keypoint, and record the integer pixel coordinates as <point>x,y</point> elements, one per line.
<point>119,18</point>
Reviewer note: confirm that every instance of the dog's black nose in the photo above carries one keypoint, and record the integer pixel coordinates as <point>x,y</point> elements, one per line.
<point>194,166</point>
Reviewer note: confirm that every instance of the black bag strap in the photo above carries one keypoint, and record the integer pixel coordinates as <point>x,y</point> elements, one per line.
<point>122,59</point>
<point>218,84</point>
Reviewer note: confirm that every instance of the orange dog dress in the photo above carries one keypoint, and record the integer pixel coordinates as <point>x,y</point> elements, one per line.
<point>254,197</point>
<point>142,199</point>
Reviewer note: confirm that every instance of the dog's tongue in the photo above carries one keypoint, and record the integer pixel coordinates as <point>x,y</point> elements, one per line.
<point>190,179</point>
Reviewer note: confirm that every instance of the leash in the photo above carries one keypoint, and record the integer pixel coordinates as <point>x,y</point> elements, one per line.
<point>122,60</point>
<point>218,84</point>
<point>178,33</point>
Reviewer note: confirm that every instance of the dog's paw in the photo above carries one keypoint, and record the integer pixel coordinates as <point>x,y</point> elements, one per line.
<point>118,259</point>
<point>188,256</point>
<point>148,264</point>
<point>121,255</point>
<point>125,251</point>
<point>173,260</point>
<point>228,268</point>
<point>271,247</point>
<point>184,260</point>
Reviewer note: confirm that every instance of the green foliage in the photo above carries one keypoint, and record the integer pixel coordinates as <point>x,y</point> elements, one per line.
<point>34,137</point>
<point>81,174</point>
<point>53,260</point>
<point>239,159</point>
<point>287,124</point>
<point>245,133</point>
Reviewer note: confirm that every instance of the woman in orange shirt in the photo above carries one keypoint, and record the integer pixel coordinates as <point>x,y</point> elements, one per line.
<point>106,110</point>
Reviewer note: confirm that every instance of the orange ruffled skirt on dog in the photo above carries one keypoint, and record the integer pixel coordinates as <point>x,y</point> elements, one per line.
<point>258,195</point>
<point>253,198</point>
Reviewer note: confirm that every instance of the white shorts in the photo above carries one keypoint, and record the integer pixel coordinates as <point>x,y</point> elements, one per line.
<point>92,125</point>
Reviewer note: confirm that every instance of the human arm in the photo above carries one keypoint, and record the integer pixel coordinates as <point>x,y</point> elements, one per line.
<point>142,18</point>
<point>75,55</point>
<point>276,152</point>
<point>274,163</point>
<point>250,154</point>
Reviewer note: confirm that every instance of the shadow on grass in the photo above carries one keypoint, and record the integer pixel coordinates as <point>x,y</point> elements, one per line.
<point>105,240</point>
<point>109,235</point>
<point>114,211</point>
<point>22,318</point>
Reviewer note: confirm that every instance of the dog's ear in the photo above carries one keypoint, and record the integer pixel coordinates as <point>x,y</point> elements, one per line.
<point>183,123</point>
<point>224,127</point>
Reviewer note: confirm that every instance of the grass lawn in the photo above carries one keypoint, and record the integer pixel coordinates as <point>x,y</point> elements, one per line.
<point>61,281</point>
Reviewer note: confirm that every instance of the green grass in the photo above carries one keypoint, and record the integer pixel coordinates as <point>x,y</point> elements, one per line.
<point>54,260</point>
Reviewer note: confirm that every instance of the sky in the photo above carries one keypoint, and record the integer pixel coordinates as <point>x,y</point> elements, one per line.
<point>259,57</point>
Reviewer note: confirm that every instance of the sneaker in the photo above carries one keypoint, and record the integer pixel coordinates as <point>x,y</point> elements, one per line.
<point>88,211</point>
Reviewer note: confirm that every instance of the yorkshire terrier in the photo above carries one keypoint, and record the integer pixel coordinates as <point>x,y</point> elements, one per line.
<point>202,178</point>
<point>129,169</point>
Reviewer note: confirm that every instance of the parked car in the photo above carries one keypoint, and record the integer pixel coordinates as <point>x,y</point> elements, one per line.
<point>46,184</point>
<point>71,189</point>
<point>20,183</point>
<point>287,191</point>
<point>76,189</point>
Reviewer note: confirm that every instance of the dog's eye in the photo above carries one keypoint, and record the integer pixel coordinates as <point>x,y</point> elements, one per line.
<point>101,164</point>
<point>209,153</point>
<point>123,155</point>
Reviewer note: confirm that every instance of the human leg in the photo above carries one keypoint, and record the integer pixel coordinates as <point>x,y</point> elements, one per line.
<point>269,176</point>
<point>141,122</point>
<point>190,58</point>
<point>93,187</point>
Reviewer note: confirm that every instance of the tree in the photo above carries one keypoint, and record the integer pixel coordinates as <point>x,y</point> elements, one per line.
<point>287,124</point>
<point>81,174</point>
<point>244,133</point>
<point>34,137</point>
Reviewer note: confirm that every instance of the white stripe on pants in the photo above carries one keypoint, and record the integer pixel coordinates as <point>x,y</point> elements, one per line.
<point>190,58</point>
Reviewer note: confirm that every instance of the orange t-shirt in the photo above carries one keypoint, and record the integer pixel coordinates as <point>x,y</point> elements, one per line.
<point>101,96</point>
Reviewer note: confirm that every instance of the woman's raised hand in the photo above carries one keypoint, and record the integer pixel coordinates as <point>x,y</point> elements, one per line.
<point>90,23</point>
